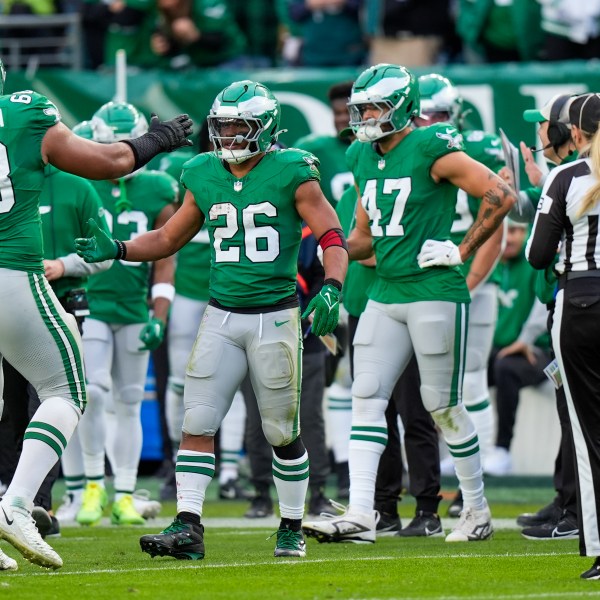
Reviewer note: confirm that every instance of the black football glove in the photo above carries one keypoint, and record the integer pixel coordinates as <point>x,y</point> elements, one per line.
<point>171,134</point>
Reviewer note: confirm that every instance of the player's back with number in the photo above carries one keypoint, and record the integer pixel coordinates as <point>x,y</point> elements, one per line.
<point>24,119</point>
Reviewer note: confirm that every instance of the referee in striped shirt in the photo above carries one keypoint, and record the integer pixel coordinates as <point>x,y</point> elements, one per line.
<point>567,217</point>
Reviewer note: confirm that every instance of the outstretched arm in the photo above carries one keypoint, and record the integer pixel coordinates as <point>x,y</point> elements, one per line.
<point>73,154</point>
<point>152,245</point>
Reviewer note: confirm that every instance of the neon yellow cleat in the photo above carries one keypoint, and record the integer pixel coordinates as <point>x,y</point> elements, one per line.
<point>93,503</point>
<point>124,512</point>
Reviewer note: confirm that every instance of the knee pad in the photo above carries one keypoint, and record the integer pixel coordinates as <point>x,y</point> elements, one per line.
<point>129,400</point>
<point>98,389</point>
<point>365,385</point>
<point>455,423</point>
<point>201,419</point>
<point>277,432</point>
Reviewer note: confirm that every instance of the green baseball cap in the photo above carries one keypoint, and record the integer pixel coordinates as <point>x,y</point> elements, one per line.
<point>539,115</point>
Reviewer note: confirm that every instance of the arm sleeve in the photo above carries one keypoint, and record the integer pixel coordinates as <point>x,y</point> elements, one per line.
<point>75,266</point>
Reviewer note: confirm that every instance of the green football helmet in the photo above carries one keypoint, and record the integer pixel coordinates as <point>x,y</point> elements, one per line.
<point>84,130</point>
<point>391,89</point>
<point>2,77</point>
<point>439,95</point>
<point>116,121</point>
<point>243,121</point>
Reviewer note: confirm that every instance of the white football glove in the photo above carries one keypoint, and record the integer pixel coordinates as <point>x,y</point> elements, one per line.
<point>439,254</point>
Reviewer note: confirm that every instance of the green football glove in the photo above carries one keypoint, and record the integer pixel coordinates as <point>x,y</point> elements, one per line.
<point>326,306</point>
<point>152,334</point>
<point>100,246</point>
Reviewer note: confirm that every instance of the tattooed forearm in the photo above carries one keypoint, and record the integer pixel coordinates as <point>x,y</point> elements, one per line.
<point>496,202</point>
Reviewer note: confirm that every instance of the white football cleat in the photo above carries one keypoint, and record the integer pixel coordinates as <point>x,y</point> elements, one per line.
<point>67,511</point>
<point>7,563</point>
<point>473,526</point>
<point>143,505</point>
<point>18,528</point>
<point>355,527</point>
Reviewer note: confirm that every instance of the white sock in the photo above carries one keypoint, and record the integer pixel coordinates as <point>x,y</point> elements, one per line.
<point>72,465</point>
<point>291,482</point>
<point>232,438</point>
<point>339,420</point>
<point>127,446</point>
<point>193,472</point>
<point>482,416</point>
<point>368,439</point>
<point>92,434</point>
<point>460,436</point>
<point>44,442</point>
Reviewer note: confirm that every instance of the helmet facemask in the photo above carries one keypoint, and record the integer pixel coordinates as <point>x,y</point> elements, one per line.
<point>372,128</point>
<point>236,139</point>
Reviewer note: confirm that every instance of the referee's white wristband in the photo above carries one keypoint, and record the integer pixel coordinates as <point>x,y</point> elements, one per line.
<point>163,290</point>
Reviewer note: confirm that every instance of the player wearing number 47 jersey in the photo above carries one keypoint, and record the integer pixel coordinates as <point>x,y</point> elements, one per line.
<point>253,202</point>
<point>418,302</point>
<point>37,336</point>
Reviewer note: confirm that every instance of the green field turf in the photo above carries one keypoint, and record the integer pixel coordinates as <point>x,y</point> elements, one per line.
<point>106,563</point>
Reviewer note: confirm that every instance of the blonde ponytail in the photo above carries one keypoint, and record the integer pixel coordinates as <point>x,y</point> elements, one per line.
<point>592,196</point>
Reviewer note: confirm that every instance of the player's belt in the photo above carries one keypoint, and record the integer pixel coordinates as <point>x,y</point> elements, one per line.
<point>573,275</point>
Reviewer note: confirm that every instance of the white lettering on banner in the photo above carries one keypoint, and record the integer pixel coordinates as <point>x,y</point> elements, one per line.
<point>318,115</point>
<point>541,94</point>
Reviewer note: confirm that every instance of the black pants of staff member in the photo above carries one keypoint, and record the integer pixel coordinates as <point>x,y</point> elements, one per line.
<point>510,374</point>
<point>312,426</point>
<point>420,442</point>
<point>576,340</point>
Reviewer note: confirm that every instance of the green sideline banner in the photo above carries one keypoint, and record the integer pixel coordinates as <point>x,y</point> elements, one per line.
<point>498,93</point>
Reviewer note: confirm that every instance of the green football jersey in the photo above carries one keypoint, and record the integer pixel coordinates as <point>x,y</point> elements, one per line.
<point>253,225</point>
<point>119,295</point>
<point>193,260</point>
<point>331,152</point>
<point>66,204</point>
<point>24,119</point>
<point>406,207</point>
<point>485,148</point>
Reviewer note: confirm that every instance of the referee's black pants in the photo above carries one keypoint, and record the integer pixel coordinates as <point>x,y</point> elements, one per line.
<point>576,342</point>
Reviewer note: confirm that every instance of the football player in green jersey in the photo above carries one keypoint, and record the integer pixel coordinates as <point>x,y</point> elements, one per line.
<point>37,336</point>
<point>253,202</point>
<point>407,180</point>
<point>119,333</point>
<point>442,103</point>
<point>331,149</point>
<point>190,301</point>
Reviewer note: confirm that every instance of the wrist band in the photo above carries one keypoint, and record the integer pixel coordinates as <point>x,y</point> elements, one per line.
<point>121,250</point>
<point>163,290</point>
<point>334,282</point>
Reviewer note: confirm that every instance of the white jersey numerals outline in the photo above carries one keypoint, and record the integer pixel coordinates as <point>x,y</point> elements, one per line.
<point>463,219</point>
<point>7,191</point>
<point>369,201</point>
<point>252,233</point>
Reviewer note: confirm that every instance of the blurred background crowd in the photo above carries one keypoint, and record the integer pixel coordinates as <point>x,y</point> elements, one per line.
<point>242,34</point>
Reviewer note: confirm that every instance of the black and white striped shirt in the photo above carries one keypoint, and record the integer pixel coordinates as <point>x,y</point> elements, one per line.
<point>556,222</point>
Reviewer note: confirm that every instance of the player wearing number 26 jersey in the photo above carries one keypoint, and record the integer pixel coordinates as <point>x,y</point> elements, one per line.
<point>253,201</point>
<point>418,302</point>
<point>37,336</point>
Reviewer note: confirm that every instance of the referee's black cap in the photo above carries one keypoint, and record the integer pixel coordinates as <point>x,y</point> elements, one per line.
<point>584,112</point>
